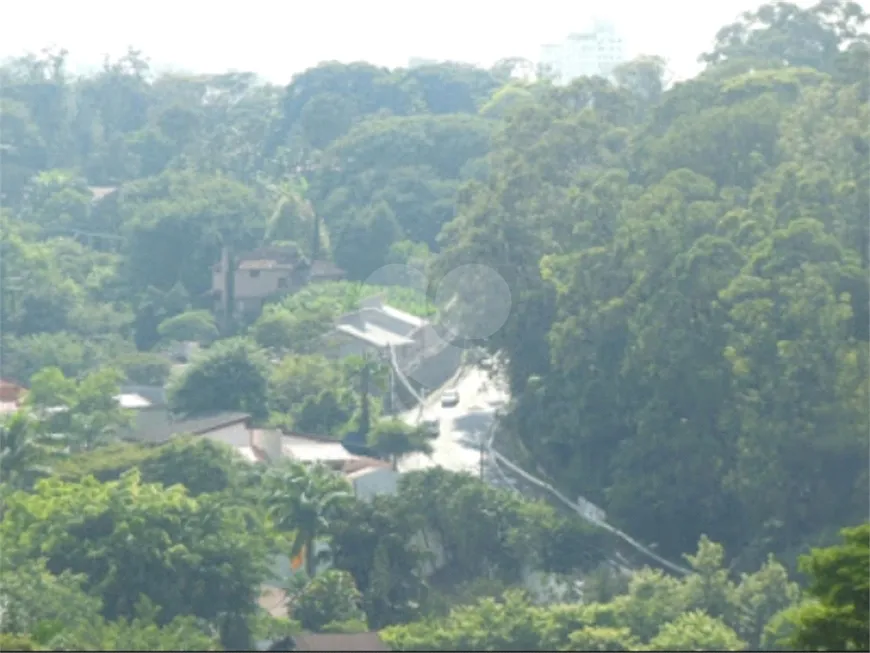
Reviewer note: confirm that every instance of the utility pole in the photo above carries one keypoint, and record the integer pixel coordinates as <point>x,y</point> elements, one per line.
<point>482,451</point>
<point>228,298</point>
<point>364,391</point>
<point>393,401</point>
<point>315,239</point>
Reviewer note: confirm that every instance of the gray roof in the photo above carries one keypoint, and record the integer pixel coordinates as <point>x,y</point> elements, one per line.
<point>374,335</point>
<point>266,264</point>
<point>276,254</point>
<point>205,423</point>
<point>129,400</point>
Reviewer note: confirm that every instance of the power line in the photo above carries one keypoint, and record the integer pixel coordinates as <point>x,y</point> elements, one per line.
<point>585,514</point>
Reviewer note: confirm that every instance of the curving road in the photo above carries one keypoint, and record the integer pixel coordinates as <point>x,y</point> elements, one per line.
<point>457,446</point>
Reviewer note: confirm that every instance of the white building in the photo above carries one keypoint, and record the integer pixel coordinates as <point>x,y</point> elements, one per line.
<point>592,53</point>
<point>367,476</point>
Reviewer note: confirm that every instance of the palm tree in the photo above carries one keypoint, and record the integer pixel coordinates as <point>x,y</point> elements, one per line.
<point>25,450</point>
<point>396,439</point>
<point>303,498</point>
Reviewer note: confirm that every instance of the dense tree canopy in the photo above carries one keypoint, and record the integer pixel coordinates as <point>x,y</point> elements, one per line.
<point>688,343</point>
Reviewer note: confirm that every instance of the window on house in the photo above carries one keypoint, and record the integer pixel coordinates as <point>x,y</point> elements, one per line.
<point>254,274</point>
<point>282,282</point>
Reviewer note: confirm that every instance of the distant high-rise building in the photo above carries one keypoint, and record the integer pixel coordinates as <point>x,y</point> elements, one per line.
<point>595,52</point>
<point>417,62</point>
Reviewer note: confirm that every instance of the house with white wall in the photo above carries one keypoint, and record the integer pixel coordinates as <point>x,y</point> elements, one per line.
<point>263,274</point>
<point>367,476</point>
<point>153,422</point>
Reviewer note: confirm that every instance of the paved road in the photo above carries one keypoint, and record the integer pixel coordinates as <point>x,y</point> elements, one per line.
<point>457,447</point>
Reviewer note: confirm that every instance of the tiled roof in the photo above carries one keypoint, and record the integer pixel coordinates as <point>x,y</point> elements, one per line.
<point>339,642</point>
<point>266,264</point>
<point>10,391</point>
<point>132,400</point>
<point>272,253</point>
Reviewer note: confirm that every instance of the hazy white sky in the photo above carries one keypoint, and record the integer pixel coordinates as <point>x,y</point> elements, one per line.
<point>279,38</point>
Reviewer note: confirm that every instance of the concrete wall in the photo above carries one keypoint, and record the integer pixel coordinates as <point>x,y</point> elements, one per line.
<point>251,288</point>
<point>258,283</point>
<point>269,442</point>
<point>374,482</point>
<point>430,543</point>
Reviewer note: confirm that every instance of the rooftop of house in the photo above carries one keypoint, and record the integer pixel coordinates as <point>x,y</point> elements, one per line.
<point>338,642</point>
<point>266,264</point>
<point>275,253</point>
<point>204,423</point>
<point>374,335</point>
<point>100,192</point>
<point>132,400</point>
<point>198,425</point>
<point>155,395</point>
<point>284,259</point>
<point>377,302</point>
<point>315,269</point>
<point>402,316</point>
